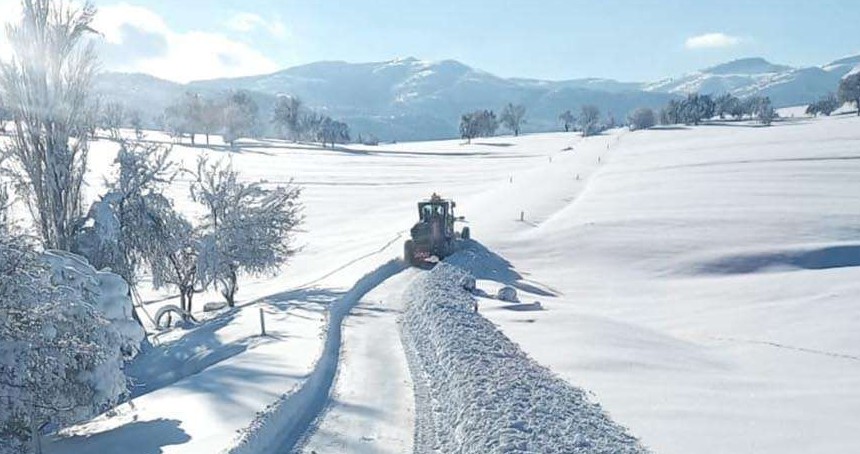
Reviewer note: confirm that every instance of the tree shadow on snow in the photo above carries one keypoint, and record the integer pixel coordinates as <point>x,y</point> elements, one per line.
<point>143,437</point>
<point>200,348</point>
<point>487,265</point>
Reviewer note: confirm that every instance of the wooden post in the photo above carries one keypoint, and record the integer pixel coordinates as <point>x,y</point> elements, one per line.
<point>262,323</point>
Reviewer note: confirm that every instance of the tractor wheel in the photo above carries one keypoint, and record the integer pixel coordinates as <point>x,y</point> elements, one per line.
<point>466,234</point>
<point>409,252</point>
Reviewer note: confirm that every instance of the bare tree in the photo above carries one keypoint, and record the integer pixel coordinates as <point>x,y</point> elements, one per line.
<point>46,86</point>
<point>136,123</point>
<point>567,120</point>
<point>112,119</point>
<point>513,117</point>
<point>240,116</point>
<point>642,118</point>
<point>286,116</point>
<point>588,118</point>
<point>210,118</point>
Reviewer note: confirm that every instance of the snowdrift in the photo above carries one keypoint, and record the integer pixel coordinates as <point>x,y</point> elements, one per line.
<point>477,392</point>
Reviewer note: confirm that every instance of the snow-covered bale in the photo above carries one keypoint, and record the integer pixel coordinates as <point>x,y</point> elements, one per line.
<point>477,392</point>
<point>507,293</point>
<point>105,291</point>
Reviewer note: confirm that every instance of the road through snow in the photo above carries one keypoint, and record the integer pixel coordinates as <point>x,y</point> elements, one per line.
<point>372,406</point>
<point>284,424</point>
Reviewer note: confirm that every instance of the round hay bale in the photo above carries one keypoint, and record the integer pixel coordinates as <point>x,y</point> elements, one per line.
<point>508,293</point>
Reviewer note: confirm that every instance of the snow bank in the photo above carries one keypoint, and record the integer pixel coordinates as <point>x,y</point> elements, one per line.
<point>106,291</point>
<point>477,392</point>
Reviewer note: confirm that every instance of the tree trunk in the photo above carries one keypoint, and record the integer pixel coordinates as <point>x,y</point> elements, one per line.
<point>857,102</point>
<point>188,298</point>
<point>231,286</point>
<point>192,140</point>
<point>207,139</point>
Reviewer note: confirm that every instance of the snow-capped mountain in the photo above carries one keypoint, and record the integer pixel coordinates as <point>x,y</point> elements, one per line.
<point>414,99</point>
<point>411,99</point>
<point>785,85</point>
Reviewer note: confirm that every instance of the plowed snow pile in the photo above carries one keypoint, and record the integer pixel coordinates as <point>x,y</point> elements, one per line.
<point>477,392</point>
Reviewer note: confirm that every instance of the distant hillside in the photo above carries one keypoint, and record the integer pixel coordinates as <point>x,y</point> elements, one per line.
<point>411,99</point>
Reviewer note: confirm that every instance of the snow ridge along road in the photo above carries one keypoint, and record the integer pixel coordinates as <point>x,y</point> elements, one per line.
<point>477,392</point>
<point>283,425</point>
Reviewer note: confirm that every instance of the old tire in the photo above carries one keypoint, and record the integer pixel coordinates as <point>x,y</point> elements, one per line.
<point>409,252</point>
<point>466,234</point>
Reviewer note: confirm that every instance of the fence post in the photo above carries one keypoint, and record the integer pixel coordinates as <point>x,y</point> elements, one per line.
<point>262,323</point>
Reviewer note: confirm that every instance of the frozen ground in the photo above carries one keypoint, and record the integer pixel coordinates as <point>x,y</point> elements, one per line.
<point>699,283</point>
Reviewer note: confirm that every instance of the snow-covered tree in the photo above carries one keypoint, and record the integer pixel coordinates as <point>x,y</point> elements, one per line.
<point>849,90</point>
<point>764,111</point>
<point>589,116</point>
<point>824,105</point>
<point>185,116</point>
<point>480,123</point>
<point>333,131</point>
<point>286,116</point>
<point>310,124</point>
<point>248,227</point>
<point>642,118</point>
<point>725,105</point>
<point>46,86</point>
<point>513,117</point>
<point>696,108</point>
<point>5,116</point>
<point>61,357</point>
<point>567,120</point>
<point>112,118</point>
<point>178,245</point>
<point>210,118</point>
<point>240,117</point>
<point>121,231</point>
<point>136,123</point>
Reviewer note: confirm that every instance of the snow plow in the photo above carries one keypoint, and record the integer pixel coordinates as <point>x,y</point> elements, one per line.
<point>434,236</point>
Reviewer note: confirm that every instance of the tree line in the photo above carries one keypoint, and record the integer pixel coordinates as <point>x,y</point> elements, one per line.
<point>232,115</point>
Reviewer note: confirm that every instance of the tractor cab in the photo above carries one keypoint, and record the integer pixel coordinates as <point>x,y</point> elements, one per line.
<point>433,235</point>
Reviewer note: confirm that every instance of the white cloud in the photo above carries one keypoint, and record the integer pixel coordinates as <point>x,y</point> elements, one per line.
<point>250,22</point>
<point>711,41</point>
<point>137,39</point>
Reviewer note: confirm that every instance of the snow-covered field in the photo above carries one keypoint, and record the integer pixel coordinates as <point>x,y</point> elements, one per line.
<point>699,283</point>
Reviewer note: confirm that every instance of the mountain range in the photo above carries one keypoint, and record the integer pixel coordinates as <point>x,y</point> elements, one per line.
<point>411,99</point>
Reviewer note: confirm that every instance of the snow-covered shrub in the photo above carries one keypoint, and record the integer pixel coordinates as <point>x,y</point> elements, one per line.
<point>248,227</point>
<point>63,337</point>
<point>477,392</point>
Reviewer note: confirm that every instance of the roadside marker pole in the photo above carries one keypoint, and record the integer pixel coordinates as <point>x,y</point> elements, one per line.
<point>262,323</point>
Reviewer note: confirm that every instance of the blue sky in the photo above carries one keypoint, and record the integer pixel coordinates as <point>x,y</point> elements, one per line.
<point>634,40</point>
